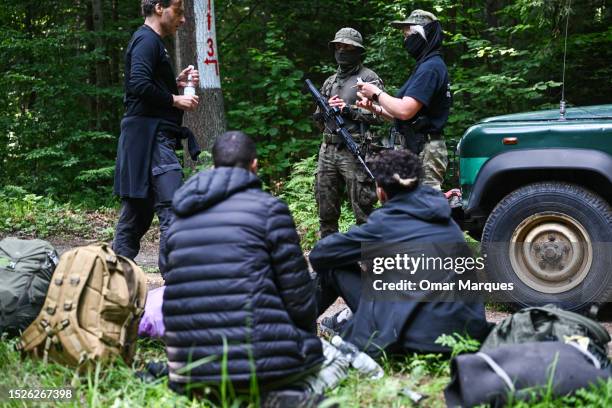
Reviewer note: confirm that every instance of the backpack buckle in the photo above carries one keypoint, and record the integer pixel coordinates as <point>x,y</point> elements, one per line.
<point>68,305</point>
<point>74,280</point>
<point>59,281</point>
<point>111,259</point>
<point>12,265</point>
<point>53,257</point>
<point>50,310</point>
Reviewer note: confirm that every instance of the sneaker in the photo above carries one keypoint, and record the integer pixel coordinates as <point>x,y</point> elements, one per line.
<point>335,325</point>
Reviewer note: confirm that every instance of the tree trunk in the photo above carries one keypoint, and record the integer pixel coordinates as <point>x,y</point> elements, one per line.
<point>102,68</point>
<point>208,122</point>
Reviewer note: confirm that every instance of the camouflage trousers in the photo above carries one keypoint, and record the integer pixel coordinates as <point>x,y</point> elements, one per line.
<point>338,170</point>
<point>435,160</point>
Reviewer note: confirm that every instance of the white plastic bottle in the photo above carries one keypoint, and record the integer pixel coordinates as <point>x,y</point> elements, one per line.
<point>189,88</point>
<point>359,360</point>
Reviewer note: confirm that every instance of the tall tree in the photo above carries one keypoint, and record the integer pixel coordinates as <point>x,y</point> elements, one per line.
<point>102,78</point>
<point>196,44</point>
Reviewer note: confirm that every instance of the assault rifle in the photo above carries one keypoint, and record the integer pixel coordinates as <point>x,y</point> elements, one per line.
<point>335,124</point>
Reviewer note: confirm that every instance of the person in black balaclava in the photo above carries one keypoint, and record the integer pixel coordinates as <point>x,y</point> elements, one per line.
<point>337,167</point>
<point>422,105</point>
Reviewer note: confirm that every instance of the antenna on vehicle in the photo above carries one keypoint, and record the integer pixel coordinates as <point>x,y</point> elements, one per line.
<point>562,103</point>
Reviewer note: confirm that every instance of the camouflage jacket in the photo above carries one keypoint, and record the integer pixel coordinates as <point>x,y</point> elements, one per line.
<point>346,90</point>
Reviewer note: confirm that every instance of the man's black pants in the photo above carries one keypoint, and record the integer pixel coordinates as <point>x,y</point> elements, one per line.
<point>345,283</point>
<point>137,213</point>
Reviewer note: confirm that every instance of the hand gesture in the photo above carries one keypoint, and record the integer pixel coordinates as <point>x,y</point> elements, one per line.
<point>181,79</point>
<point>365,103</point>
<point>367,90</point>
<point>336,102</point>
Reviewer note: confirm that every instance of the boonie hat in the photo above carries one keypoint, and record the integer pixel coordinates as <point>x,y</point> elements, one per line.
<point>417,17</point>
<point>349,36</point>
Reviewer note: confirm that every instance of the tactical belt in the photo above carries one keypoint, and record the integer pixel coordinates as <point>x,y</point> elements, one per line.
<point>337,139</point>
<point>434,136</point>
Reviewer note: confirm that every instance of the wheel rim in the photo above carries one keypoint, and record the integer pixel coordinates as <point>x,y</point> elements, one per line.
<point>551,252</point>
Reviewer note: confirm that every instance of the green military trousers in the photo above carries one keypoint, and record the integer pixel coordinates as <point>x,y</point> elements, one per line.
<point>338,170</point>
<point>435,160</point>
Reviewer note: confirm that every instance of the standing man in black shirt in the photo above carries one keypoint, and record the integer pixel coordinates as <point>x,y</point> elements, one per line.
<point>148,171</point>
<point>420,108</point>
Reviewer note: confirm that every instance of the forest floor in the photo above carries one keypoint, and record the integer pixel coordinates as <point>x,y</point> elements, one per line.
<point>118,387</point>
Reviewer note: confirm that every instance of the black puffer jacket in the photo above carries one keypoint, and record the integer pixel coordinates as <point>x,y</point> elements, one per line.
<point>236,273</point>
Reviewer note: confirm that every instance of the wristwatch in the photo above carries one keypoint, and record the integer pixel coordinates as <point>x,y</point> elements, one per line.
<point>376,95</point>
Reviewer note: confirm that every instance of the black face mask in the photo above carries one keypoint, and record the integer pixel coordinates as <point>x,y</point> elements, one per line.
<point>346,58</point>
<point>415,45</point>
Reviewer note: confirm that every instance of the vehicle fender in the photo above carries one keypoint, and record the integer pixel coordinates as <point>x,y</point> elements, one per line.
<point>537,159</point>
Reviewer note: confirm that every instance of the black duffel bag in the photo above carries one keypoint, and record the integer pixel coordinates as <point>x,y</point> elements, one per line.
<point>521,372</point>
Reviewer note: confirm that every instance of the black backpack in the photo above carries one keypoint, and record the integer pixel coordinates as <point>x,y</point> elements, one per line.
<point>26,267</point>
<point>550,323</point>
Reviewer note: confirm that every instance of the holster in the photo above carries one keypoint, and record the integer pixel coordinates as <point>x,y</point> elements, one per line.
<point>411,135</point>
<point>408,139</point>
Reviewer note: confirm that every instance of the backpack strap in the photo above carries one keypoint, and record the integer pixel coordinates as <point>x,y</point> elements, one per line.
<point>501,373</point>
<point>69,332</point>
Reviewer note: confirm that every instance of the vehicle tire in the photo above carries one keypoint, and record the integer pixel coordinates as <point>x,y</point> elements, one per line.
<point>553,241</point>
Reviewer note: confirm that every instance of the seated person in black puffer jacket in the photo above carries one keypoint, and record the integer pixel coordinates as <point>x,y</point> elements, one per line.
<point>237,282</point>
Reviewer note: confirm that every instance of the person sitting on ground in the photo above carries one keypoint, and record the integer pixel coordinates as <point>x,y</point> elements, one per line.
<point>411,214</point>
<point>237,287</point>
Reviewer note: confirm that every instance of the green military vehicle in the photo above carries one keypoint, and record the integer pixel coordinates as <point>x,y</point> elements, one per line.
<point>537,192</point>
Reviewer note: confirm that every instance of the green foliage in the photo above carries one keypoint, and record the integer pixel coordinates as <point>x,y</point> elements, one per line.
<point>458,344</point>
<point>298,192</point>
<point>61,76</point>
<point>277,122</point>
<point>60,96</point>
<point>32,215</point>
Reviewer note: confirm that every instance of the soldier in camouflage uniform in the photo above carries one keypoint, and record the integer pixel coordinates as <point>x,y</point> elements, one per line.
<point>421,107</point>
<point>337,168</point>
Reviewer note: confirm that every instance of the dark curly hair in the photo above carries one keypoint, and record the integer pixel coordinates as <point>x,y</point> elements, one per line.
<point>396,171</point>
<point>148,6</point>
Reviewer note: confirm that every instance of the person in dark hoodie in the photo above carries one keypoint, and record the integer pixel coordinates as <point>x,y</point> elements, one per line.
<point>412,215</point>
<point>147,170</point>
<point>421,107</point>
<point>237,285</point>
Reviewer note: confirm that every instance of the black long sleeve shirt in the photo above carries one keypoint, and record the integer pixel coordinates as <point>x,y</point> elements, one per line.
<point>150,78</point>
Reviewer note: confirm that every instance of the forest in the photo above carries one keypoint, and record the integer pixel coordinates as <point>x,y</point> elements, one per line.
<point>61,86</point>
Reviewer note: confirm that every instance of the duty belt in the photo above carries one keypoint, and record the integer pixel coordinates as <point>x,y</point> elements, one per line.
<point>337,139</point>
<point>433,136</point>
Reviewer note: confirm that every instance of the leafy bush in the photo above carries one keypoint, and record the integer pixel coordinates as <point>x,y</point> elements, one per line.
<point>32,215</point>
<point>298,192</point>
<point>277,123</point>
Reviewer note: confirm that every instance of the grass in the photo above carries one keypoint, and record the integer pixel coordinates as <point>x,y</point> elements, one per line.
<point>33,216</point>
<point>115,385</point>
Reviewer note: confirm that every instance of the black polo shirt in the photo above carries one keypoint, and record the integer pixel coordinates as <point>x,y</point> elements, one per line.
<point>430,85</point>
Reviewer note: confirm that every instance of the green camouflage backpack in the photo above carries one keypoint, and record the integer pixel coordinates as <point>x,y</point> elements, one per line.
<point>550,323</point>
<point>91,311</point>
<point>26,267</point>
